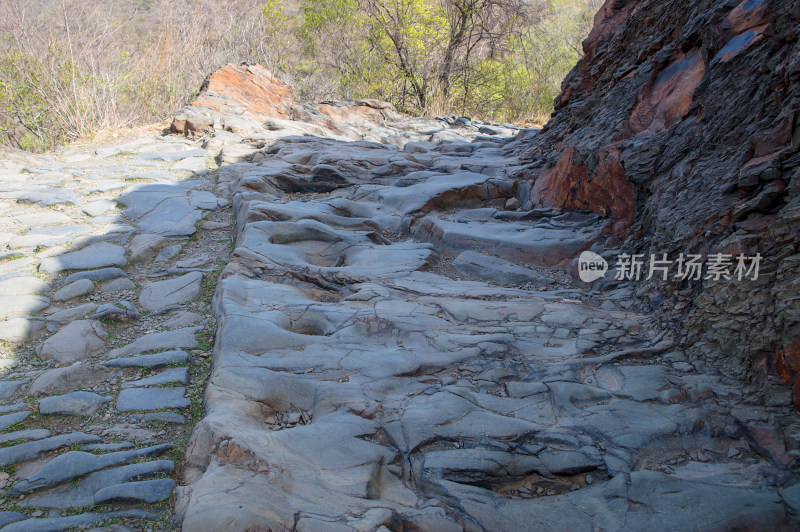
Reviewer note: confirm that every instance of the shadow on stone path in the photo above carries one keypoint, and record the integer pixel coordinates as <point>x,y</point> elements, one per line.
<point>399,348</point>
<point>397,345</point>
<point>111,261</point>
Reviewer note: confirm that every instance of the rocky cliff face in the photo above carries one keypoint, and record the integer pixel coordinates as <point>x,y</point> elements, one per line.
<point>681,125</point>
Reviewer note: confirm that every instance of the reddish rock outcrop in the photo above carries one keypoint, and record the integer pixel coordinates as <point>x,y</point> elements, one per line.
<point>239,97</point>
<point>249,91</point>
<point>604,189</point>
<point>680,124</point>
<point>666,100</point>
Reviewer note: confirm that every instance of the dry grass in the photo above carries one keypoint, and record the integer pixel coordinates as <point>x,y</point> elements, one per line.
<point>71,69</point>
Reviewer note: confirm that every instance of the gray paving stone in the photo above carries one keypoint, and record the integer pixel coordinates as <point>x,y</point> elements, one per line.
<point>48,236</point>
<point>73,404</point>
<point>25,452</point>
<point>117,285</point>
<point>167,210</point>
<point>20,328</point>
<point>154,360</point>
<point>197,261</point>
<point>151,399</point>
<point>22,304</point>
<point>144,247</point>
<point>43,218</point>
<point>96,255</point>
<point>114,312</point>
<point>182,318</point>
<point>172,155</point>
<point>10,517</point>
<point>148,491</point>
<point>77,341</point>
<point>171,291</point>
<point>63,317</point>
<point>196,165</point>
<point>202,199</point>
<point>75,464</point>
<point>141,199</point>
<point>168,253</point>
<point>49,196</point>
<point>15,266</point>
<point>16,407</point>
<point>121,446</point>
<point>23,285</point>
<point>172,375</point>
<point>98,207</point>
<point>179,338</point>
<point>9,419</point>
<point>8,388</point>
<point>102,274</point>
<point>74,289</point>
<point>27,434</point>
<point>59,524</point>
<point>153,176</point>
<point>172,217</point>
<point>82,493</point>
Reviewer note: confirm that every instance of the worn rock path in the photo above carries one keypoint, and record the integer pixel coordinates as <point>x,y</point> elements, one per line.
<point>400,347</point>
<point>397,345</point>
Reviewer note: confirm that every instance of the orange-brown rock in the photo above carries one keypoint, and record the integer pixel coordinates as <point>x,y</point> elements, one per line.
<point>666,101</point>
<point>248,91</point>
<point>604,190</point>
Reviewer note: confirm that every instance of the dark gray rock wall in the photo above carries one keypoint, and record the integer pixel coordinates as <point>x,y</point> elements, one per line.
<point>681,125</point>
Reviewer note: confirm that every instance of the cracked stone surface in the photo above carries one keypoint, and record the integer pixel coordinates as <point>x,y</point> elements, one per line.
<point>393,343</point>
<point>361,375</point>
